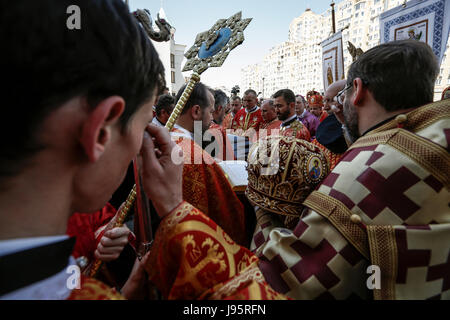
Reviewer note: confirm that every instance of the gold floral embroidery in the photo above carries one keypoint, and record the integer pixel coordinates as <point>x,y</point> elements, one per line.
<point>214,256</point>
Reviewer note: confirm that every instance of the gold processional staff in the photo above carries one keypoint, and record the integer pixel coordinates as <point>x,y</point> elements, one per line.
<point>211,48</point>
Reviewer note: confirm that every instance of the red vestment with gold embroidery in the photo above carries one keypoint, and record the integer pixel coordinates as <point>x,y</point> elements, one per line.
<point>333,158</point>
<point>244,120</point>
<point>296,129</point>
<point>206,187</point>
<point>271,127</point>
<point>193,258</point>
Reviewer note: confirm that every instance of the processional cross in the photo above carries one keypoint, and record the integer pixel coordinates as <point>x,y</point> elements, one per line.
<point>211,49</point>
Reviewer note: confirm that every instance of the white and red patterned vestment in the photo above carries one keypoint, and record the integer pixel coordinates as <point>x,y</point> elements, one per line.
<point>386,204</point>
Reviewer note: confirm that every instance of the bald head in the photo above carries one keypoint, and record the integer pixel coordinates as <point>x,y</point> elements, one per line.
<point>332,92</point>
<point>268,110</point>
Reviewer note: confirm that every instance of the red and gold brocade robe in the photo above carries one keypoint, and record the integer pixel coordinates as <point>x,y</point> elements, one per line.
<point>193,258</point>
<point>92,289</point>
<point>296,129</point>
<point>267,129</point>
<point>244,120</point>
<point>271,127</point>
<point>384,204</point>
<point>333,158</point>
<point>206,188</point>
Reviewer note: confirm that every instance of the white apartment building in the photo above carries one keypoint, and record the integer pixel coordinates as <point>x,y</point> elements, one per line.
<point>171,55</point>
<point>297,63</point>
<point>252,77</point>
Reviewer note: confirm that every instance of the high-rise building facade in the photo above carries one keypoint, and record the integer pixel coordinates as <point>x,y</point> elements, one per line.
<point>297,63</point>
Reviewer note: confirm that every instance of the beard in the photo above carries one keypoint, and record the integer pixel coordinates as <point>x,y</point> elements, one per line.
<point>283,115</point>
<point>351,122</point>
<point>205,127</point>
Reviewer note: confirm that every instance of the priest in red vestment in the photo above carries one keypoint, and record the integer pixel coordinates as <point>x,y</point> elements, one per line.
<point>205,185</point>
<point>249,119</point>
<point>236,105</point>
<point>284,102</point>
<point>271,123</point>
<point>221,147</point>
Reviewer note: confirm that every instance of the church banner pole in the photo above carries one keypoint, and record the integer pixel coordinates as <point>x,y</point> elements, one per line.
<point>333,19</point>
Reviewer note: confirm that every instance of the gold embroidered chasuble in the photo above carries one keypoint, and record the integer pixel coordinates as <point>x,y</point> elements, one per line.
<point>384,204</point>
<point>193,258</point>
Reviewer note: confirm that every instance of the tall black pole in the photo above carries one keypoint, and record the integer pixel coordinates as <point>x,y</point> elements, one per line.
<point>332,17</point>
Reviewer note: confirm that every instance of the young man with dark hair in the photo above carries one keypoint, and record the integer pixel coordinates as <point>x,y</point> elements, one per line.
<point>163,109</point>
<point>384,84</point>
<point>81,100</point>
<point>386,200</point>
<point>199,107</point>
<point>236,104</point>
<point>284,103</point>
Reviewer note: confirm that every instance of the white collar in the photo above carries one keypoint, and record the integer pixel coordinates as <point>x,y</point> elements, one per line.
<point>289,119</point>
<point>55,287</point>
<point>184,133</point>
<point>21,244</point>
<point>304,113</point>
<point>156,121</point>
<point>255,108</point>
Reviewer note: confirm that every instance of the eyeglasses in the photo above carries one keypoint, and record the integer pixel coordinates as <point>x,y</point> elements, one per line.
<point>340,96</point>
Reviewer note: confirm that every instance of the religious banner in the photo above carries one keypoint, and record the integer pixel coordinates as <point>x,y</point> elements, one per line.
<point>422,20</point>
<point>332,60</point>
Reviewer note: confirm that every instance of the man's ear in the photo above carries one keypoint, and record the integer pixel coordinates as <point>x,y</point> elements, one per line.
<point>196,112</point>
<point>359,92</point>
<point>96,130</point>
